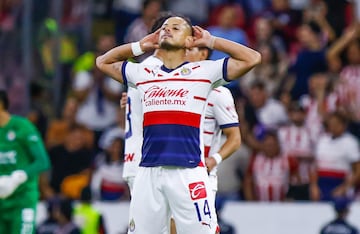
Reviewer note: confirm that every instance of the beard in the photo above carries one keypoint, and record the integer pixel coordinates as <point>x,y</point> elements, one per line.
<point>168,46</point>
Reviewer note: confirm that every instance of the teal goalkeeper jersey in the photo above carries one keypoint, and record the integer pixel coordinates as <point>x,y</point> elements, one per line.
<point>21,148</point>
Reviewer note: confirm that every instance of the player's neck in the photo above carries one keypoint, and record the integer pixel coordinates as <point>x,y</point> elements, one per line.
<point>172,59</point>
<point>4,118</point>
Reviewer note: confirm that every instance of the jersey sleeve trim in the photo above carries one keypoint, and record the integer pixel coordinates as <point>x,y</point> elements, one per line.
<point>123,72</point>
<point>224,69</point>
<point>229,125</point>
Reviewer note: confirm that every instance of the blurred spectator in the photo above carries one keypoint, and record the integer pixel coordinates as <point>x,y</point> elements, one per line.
<point>226,28</point>
<point>264,34</point>
<point>63,213</point>
<point>254,8</point>
<point>261,113</point>
<point>68,51</point>
<point>269,172</point>
<point>337,159</point>
<point>196,10</point>
<point>240,20</point>
<point>71,164</point>
<point>339,225</point>
<point>348,85</point>
<point>60,128</point>
<point>97,95</point>
<point>86,216</point>
<point>85,62</point>
<point>125,12</point>
<point>316,11</point>
<point>141,26</point>
<point>8,10</point>
<point>310,59</point>
<point>269,112</point>
<point>37,114</point>
<point>340,14</point>
<point>295,142</point>
<point>107,182</point>
<point>318,103</point>
<point>271,71</point>
<point>50,224</point>
<point>284,20</point>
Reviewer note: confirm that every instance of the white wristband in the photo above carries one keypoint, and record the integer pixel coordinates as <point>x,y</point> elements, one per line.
<point>136,48</point>
<point>212,42</point>
<point>218,158</point>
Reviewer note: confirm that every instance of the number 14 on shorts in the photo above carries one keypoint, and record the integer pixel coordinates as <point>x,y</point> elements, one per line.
<point>197,192</point>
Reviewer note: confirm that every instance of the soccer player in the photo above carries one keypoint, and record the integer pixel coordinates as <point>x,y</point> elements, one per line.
<point>22,159</point>
<point>171,177</point>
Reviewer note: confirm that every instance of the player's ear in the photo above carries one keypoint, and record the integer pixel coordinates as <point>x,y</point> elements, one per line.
<point>204,54</point>
<point>189,41</point>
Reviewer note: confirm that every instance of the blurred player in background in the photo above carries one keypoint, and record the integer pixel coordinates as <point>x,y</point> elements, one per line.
<point>22,158</point>
<point>172,177</point>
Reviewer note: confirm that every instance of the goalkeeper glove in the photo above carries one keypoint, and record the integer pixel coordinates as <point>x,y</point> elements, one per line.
<point>8,184</point>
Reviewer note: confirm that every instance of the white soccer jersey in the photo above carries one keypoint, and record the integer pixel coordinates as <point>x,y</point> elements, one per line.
<point>173,102</point>
<point>334,156</point>
<point>220,113</point>
<point>134,126</point>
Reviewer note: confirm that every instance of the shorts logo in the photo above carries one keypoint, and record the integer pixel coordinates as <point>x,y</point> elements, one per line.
<point>197,190</point>
<point>132,225</point>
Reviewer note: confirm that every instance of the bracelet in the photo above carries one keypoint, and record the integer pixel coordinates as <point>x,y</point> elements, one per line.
<point>218,158</point>
<point>212,42</point>
<point>136,48</point>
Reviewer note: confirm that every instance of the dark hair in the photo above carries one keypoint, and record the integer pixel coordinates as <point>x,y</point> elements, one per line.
<point>187,20</point>
<point>4,99</point>
<point>315,28</point>
<point>162,17</point>
<point>296,107</point>
<point>65,207</point>
<point>146,3</point>
<point>257,84</point>
<point>340,116</point>
<point>208,50</point>
<point>86,194</point>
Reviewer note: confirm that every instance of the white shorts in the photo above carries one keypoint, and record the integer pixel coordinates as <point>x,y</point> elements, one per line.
<point>184,193</point>
<point>130,181</point>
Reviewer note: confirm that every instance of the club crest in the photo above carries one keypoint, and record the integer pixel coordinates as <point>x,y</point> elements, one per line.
<point>185,71</point>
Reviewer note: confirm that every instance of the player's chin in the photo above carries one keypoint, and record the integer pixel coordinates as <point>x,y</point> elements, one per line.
<point>166,45</point>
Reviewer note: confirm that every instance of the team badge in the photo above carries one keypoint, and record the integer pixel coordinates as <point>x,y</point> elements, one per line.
<point>11,135</point>
<point>185,71</point>
<point>132,225</point>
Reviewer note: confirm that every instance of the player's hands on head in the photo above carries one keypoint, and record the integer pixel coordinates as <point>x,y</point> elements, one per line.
<point>202,37</point>
<point>150,42</point>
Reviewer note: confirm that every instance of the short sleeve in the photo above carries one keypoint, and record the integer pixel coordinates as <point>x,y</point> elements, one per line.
<point>353,152</point>
<point>216,71</point>
<point>224,109</point>
<point>132,72</point>
<point>82,80</point>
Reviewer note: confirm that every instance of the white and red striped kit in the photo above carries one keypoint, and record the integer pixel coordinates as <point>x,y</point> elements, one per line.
<point>171,175</point>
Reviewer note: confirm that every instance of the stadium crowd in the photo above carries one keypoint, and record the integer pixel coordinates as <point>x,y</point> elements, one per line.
<point>299,110</point>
